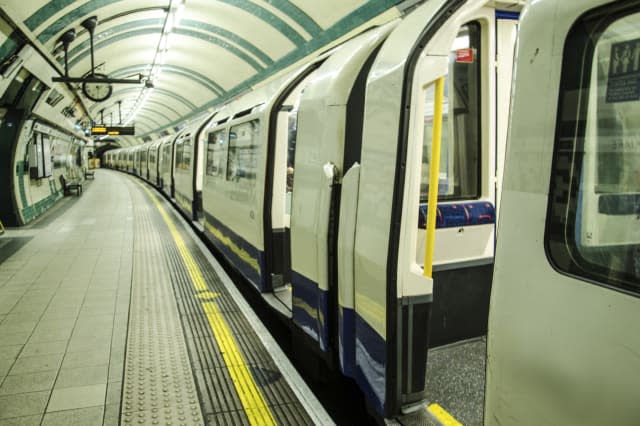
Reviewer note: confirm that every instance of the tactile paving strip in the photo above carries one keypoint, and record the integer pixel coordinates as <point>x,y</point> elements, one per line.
<point>159,385</point>
<point>220,402</point>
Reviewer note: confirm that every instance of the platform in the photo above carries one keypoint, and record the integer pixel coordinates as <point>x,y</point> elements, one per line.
<point>112,312</point>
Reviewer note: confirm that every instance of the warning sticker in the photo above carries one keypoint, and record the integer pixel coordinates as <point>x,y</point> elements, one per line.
<point>465,55</point>
<point>623,84</point>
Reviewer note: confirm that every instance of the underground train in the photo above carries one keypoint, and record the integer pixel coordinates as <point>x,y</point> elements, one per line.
<point>315,187</point>
<point>314,192</point>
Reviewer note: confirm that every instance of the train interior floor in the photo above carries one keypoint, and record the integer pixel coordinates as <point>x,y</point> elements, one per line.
<point>456,379</point>
<point>112,312</point>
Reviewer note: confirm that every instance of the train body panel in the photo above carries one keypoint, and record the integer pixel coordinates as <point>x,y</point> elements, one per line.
<point>166,166</point>
<point>239,183</point>
<point>154,163</point>
<point>563,334</point>
<point>183,170</point>
<point>189,167</point>
<point>322,142</point>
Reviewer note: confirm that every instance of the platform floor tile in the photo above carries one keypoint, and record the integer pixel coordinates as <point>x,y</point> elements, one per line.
<point>64,296</point>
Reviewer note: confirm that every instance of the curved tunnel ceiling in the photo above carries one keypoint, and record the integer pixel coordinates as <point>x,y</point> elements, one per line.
<point>216,50</point>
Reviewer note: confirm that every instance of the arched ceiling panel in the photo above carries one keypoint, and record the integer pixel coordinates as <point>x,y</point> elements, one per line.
<point>191,54</point>
<point>219,64</point>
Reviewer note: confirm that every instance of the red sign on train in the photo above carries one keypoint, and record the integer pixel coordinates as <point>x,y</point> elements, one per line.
<point>465,55</point>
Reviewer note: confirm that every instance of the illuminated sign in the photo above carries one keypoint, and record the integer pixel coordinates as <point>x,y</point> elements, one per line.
<point>112,130</point>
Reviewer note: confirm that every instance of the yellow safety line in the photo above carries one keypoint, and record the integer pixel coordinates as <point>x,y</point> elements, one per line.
<point>441,414</point>
<point>434,178</point>
<point>250,396</point>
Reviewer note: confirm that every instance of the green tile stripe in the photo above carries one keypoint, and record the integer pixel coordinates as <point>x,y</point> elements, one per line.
<point>10,45</point>
<point>30,212</point>
<point>163,92</point>
<point>171,69</point>
<point>140,23</point>
<point>73,61</point>
<point>66,20</point>
<point>210,38</point>
<point>272,19</point>
<point>144,121</point>
<point>231,36</point>
<point>163,105</point>
<point>35,210</point>
<point>146,115</point>
<point>113,108</point>
<point>45,12</point>
<point>298,15</point>
<point>356,18</point>
<point>158,30</point>
<point>158,23</point>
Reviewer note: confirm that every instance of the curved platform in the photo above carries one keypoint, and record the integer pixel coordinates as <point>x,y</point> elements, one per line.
<point>112,312</point>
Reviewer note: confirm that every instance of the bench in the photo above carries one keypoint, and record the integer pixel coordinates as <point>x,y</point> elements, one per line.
<point>67,186</point>
<point>89,174</point>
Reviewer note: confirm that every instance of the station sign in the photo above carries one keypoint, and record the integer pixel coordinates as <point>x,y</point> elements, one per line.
<point>112,130</point>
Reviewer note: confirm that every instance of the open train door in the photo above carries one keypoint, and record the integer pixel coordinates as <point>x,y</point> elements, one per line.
<point>563,345</point>
<point>449,45</point>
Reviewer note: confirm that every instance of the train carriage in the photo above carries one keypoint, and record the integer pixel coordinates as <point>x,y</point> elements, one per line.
<point>563,327</point>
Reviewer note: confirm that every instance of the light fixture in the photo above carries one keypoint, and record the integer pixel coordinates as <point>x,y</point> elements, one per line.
<point>174,15</point>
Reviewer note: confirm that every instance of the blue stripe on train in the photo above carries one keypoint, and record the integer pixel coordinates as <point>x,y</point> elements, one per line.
<point>505,14</point>
<point>248,271</point>
<point>362,349</point>
<point>310,307</point>
<point>371,361</point>
<point>452,215</point>
<point>347,341</point>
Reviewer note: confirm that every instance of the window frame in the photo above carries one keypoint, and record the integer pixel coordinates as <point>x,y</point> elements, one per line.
<point>476,30</point>
<point>560,243</point>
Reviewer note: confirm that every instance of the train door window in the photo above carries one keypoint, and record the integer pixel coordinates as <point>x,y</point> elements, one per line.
<point>593,225</point>
<point>216,145</point>
<point>186,152</point>
<point>286,137</point>
<point>242,159</point>
<point>179,153</point>
<point>461,137</point>
<point>166,157</point>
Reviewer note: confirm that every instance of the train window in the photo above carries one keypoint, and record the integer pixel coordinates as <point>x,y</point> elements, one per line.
<point>292,136</point>
<point>593,226</point>
<point>215,152</point>
<point>460,150</point>
<point>166,158</point>
<point>186,153</point>
<point>243,151</point>
<point>183,153</point>
<point>179,151</point>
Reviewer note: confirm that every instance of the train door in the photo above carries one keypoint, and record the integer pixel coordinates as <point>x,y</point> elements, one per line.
<point>281,172</point>
<point>198,169</point>
<point>399,303</point>
<point>563,344</point>
<point>506,33</point>
<point>328,126</point>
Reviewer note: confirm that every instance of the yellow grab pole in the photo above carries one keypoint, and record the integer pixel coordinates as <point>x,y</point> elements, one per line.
<point>434,177</point>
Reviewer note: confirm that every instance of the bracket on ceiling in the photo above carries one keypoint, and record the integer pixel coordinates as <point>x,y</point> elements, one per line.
<point>69,36</point>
